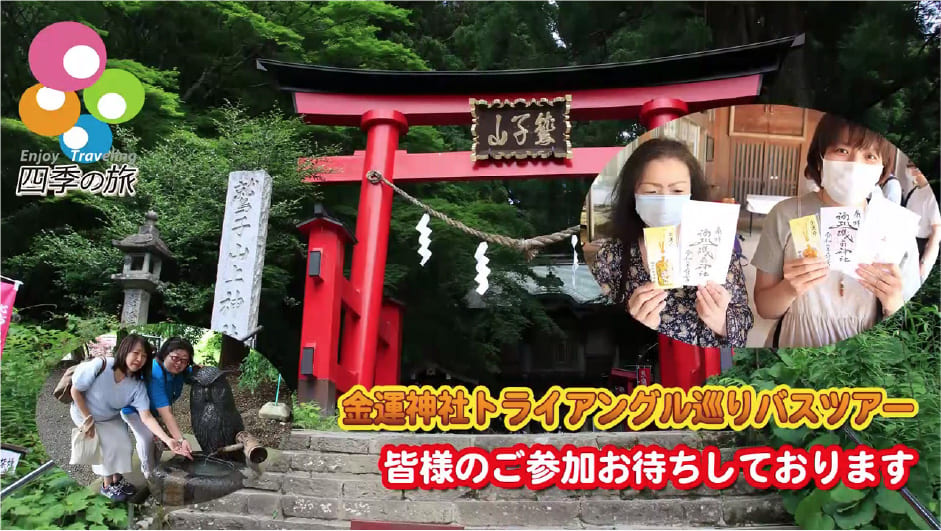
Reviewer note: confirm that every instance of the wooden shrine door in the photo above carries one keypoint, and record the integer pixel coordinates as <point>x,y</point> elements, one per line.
<point>765,167</point>
<point>767,149</point>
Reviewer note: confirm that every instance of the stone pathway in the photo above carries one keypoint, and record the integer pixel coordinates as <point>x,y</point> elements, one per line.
<point>322,480</point>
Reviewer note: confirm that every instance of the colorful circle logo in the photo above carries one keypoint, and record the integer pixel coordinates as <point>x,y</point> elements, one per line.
<point>116,98</point>
<point>66,57</point>
<point>87,141</point>
<point>47,111</point>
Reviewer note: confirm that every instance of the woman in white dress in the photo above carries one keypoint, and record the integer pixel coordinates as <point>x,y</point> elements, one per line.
<point>921,200</point>
<point>100,389</point>
<point>817,306</point>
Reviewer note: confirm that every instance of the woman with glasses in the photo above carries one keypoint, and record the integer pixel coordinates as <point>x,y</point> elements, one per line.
<point>101,387</point>
<point>168,371</point>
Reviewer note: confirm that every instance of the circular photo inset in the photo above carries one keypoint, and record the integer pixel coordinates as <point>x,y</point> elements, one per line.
<point>760,225</point>
<point>174,413</point>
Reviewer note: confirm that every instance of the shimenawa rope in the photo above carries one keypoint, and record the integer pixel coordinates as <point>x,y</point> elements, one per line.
<point>529,246</point>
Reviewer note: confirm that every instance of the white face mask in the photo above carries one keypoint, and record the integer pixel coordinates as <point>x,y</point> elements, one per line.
<point>849,183</point>
<point>660,210</point>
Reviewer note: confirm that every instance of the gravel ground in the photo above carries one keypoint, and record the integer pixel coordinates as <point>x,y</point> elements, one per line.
<point>55,430</point>
<point>55,425</point>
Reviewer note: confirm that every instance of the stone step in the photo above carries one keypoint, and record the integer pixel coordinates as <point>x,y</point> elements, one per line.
<point>372,442</point>
<point>322,469</point>
<point>271,511</point>
<point>195,519</point>
<point>324,480</point>
<point>369,487</point>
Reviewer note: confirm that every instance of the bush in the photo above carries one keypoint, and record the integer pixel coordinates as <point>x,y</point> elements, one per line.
<point>53,500</point>
<point>256,370</point>
<point>309,416</point>
<point>208,349</point>
<point>900,355</point>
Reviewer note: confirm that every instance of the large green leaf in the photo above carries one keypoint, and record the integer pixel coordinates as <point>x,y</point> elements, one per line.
<point>793,437</point>
<point>856,516</point>
<point>52,513</point>
<point>809,513</point>
<point>22,510</point>
<point>916,519</point>
<point>818,520</point>
<point>786,358</point>
<point>843,494</point>
<point>763,385</point>
<point>775,371</point>
<point>77,500</point>
<point>96,513</point>
<point>827,439</point>
<point>117,515</point>
<point>791,499</point>
<point>891,501</point>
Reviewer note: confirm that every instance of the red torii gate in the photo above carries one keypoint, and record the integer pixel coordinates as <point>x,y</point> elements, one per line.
<point>386,103</point>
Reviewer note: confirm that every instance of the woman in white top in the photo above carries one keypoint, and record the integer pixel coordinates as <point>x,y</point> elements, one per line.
<point>922,201</point>
<point>100,389</point>
<point>890,187</point>
<point>818,306</point>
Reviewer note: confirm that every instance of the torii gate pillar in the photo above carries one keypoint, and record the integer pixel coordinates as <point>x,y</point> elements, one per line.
<point>659,111</point>
<point>386,103</point>
<point>383,128</point>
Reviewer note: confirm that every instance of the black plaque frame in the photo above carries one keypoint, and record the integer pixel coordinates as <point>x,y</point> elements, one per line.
<point>484,113</point>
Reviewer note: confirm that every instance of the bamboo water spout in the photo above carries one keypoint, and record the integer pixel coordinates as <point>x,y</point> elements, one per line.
<point>254,452</point>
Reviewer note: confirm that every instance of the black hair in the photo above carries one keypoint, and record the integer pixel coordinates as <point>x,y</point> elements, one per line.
<point>174,343</point>
<point>628,226</point>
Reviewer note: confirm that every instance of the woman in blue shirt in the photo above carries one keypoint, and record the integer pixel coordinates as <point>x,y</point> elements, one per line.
<point>168,371</point>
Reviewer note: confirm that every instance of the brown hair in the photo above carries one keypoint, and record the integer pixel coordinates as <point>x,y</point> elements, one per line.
<point>627,223</point>
<point>833,130</point>
<point>125,348</point>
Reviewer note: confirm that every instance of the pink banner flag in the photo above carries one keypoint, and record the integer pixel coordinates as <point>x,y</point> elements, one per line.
<point>7,296</point>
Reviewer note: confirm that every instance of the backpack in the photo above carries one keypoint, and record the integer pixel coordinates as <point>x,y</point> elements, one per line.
<point>63,390</point>
<point>908,196</point>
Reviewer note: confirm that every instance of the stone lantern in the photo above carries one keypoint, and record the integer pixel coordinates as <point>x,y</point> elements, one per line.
<point>144,253</point>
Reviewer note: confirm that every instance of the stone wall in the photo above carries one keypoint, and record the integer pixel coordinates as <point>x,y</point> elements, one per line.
<point>323,480</point>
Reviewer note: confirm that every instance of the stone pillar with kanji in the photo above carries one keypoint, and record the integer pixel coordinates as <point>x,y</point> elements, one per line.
<point>144,254</point>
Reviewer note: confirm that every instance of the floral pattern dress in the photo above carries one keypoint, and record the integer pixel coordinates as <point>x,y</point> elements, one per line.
<point>679,320</point>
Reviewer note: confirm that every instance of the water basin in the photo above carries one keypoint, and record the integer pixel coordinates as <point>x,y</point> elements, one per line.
<point>180,481</point>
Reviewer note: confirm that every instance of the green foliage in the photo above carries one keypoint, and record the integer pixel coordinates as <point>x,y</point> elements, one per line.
<point>309,416</point>
<point>165,331</point>
<point>188,170</point>
<point>900,355</point>
<point>54,500</point>
<point>188,137</point>
<point>208,349</point>
<point>256,370</point>
<point>349,35</point>
<point>663,29</point>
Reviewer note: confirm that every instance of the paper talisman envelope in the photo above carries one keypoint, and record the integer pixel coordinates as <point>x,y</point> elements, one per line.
<point>839,228</point>
<point>887,233</point>
<point>707,239</point>
<point>805,233</point>
<point>663,256</point>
